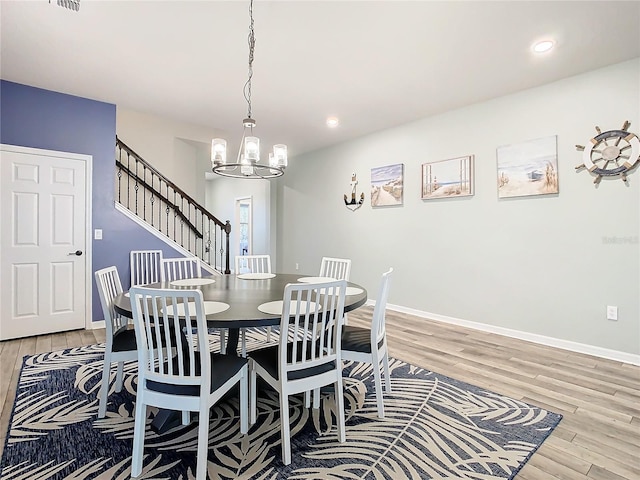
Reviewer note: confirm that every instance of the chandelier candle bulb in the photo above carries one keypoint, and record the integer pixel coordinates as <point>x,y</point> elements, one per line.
<point>280,155</point>
<point>252,149</point>
<point>218,151</point>
<point>245,166</point>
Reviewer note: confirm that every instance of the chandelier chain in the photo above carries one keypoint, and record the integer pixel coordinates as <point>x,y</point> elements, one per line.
<point>247,164</point>
<point>252,44</point>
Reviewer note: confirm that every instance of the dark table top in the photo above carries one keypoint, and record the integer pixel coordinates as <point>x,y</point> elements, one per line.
<point>244,297</point>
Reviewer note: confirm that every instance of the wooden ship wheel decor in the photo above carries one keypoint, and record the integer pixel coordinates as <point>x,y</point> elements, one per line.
<point>611,153</point>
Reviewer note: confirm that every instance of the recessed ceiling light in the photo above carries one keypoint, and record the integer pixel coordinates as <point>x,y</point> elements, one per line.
<point>543,46</point>
<point>332,122</point>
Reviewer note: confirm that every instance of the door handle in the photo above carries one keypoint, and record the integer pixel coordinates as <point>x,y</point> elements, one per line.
<point>77,253</point>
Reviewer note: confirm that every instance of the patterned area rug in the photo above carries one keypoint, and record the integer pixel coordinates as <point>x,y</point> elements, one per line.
<point>435,427</point>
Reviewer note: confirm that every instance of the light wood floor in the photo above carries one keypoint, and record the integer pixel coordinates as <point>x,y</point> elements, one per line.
<point>598,438</point>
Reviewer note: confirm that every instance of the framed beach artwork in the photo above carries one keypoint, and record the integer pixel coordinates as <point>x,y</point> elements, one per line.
<point>387,185</point>
<point>528,168</point>
<point>449,178</point>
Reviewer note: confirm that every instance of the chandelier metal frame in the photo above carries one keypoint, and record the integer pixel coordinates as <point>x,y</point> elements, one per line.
<point>247,162</point>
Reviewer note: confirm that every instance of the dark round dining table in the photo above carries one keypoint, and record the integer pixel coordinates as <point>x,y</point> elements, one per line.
<point>243,296</point>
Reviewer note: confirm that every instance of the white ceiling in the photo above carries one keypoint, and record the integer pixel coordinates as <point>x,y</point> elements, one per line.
<point>372,64</point>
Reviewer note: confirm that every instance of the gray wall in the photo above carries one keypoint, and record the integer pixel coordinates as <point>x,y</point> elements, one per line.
<point>545,265</point>
<point>178,150</point>
<point>221,199</point>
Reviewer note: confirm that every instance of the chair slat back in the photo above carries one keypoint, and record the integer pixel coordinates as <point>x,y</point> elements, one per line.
<point>378,319</point>
<point>175,318</point>
<point>253,264</point>
<point>338,268</point>
<point>146,267</point>
<point>109,287</point>
<point>181,268</point>
<point>312,314</point>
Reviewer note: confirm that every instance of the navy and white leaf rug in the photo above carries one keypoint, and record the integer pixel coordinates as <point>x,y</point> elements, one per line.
<point>435,427</point>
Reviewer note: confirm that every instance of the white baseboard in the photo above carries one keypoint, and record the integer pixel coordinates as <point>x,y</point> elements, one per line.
<point>616,355</point>
<point>96,325</point>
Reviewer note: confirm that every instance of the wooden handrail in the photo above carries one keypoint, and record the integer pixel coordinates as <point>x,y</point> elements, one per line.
<point>208,220</point>
<point>173,186</point>
<point>162,197</point>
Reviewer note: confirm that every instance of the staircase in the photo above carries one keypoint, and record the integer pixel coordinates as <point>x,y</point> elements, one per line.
<point>161,204</point>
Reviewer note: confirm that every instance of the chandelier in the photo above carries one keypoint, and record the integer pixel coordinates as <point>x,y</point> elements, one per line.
<point>247,163</point>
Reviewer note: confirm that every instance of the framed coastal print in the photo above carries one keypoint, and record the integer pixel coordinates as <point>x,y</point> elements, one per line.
<point>449,178</point>
<point>528,168</point>
<point>387,185</point>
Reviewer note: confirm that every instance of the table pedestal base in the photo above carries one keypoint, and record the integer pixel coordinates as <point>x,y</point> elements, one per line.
<point>166,420</point>
<point>232,341</point>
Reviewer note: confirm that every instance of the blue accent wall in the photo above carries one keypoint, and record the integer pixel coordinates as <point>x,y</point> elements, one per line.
<point>37,118</point>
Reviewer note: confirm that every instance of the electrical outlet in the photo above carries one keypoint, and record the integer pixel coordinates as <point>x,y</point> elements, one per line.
<point>97,234</point>
<point>297,266</point>
<point>612,312</point>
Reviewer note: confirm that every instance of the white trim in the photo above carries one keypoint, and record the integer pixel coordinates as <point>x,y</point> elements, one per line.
<point>624,357</point>
<point>88,242</point>
<point>98,324</point>
<point>237,203</point>
<point>122,209</point>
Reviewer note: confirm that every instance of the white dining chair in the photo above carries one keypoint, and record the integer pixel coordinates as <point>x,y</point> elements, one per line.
<point>338,268</point>
<point>181,268</point>
<point>191,380</point>
<point>369,345</point>
<point>146,267</point>
<point>311,362</point>
<point>120,340</point>
<point>252,264</point>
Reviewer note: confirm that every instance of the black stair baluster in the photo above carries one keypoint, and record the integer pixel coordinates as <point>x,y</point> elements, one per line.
<point>197,240</point>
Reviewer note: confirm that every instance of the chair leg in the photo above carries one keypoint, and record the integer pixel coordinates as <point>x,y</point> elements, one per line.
<point>387,377</point>
<point>244,400</point>
<point>312,394</point>
<point>104,388</point>
<point>339,393</point>
<point>375,364</point>
<point>223,342</point>
<point>186,417</point>
<point>119,377</point>
<point>284,431</point>
<point>203,442</point>
<point>138,438</point>
<point>253,407</point>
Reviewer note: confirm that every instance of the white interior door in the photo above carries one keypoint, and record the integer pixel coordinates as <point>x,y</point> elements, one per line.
<point>43,241</point>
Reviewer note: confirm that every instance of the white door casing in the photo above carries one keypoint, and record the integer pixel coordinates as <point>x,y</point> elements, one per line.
<point>45,203</point>
<point>244,225</point>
